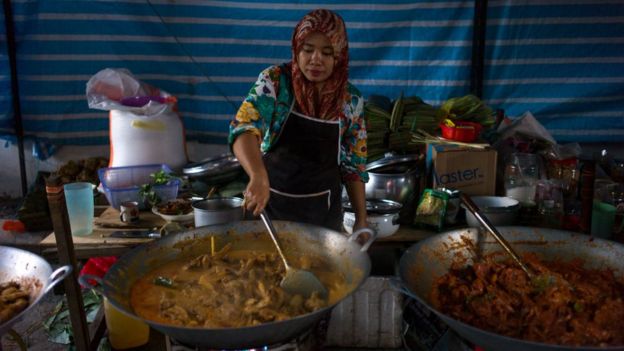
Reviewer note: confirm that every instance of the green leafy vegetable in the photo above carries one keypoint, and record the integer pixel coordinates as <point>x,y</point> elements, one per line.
<point>542,282</point>
<point>147,191</point>
<point>578,306</point>
<point>58,325</point>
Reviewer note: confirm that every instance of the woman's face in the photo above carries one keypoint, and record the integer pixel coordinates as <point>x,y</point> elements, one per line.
<point>316,58</point>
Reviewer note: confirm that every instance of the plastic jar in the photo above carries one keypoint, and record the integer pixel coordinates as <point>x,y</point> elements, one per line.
<point>124,332</point>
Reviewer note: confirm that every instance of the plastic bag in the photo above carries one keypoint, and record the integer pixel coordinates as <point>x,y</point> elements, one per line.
<point>525,125</point>
<point>118,89</point>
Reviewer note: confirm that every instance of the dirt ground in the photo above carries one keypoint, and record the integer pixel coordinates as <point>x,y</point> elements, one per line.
<point>9,206</point>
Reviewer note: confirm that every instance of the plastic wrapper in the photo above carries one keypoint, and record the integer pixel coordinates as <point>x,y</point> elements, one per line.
<point>431,210</point>
<point>452,206</point>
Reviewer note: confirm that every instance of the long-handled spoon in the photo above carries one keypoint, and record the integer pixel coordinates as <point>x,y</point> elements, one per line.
<point>295,281</point>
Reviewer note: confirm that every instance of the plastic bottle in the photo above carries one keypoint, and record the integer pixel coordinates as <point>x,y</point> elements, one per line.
<point>124,332</point>
<point>550,214</point>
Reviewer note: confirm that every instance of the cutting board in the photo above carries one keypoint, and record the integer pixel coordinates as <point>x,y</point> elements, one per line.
<point>110,219</point>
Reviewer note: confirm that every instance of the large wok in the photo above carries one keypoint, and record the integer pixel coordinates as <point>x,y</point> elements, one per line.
<point>32,272</point>
<point>429,259</point>
<point>296,238</point>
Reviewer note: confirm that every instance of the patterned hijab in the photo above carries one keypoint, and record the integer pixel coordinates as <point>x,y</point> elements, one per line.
<point>334,91</point>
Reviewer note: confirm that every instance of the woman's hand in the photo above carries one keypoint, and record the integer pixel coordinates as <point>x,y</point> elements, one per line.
<point>257,194</point>
<point>357,197</point>
<point>247,150</point>
<point>360,223</point>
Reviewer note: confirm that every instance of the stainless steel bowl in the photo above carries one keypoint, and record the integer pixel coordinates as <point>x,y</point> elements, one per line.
<point>500,210</point>
<point>217,210</point>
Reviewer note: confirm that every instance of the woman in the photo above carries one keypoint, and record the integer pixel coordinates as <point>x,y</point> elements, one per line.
<point>307,120</point>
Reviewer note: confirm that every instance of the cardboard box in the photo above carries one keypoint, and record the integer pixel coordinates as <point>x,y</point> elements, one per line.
<point>470,170</point>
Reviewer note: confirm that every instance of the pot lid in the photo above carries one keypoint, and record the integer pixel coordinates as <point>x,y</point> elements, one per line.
<point>377,206</point>
<point>212,166</point>
<point>391,159</point>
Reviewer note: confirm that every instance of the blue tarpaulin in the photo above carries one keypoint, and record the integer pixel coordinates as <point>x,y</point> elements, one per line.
<point>561,60</point>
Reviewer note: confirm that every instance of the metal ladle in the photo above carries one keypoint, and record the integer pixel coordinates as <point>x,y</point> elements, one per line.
<point>474,209</point>
<point>538,280</point>
<point>295,281</point>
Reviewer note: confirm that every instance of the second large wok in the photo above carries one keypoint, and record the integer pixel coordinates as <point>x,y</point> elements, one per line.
<point>33,273</point>
<point>429,259</point>
<point>298,239</point>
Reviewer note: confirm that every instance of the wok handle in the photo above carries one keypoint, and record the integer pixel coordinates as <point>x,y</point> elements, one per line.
<point>359,232</point>
<point>398,285</point>
<point>57,276</point>
<point>395,219</point>
<point>85,280</point>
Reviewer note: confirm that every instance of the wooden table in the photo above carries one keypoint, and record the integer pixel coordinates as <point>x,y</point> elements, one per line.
<point>99,242</point>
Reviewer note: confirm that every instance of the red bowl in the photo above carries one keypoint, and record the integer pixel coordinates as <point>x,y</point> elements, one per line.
<point>463,131</point>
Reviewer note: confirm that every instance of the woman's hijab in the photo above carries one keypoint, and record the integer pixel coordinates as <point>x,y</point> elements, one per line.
<point>334,91</point>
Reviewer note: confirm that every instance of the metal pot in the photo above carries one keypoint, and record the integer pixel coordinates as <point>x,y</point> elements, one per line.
<point>32,272</point>
<point>215,170</point>
<point>395,178</point>
<point>429,259</point>
<point>217,210</point>
<point>342,253</point>
<point>381,215</point>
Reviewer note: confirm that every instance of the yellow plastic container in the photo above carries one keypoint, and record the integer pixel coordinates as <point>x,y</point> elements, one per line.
<point>124,332</point>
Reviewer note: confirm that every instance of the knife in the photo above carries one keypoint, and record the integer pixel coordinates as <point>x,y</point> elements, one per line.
<point>145,234</point>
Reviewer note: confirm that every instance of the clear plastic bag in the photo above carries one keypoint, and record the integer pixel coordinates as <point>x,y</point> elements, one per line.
<point>118,89</point>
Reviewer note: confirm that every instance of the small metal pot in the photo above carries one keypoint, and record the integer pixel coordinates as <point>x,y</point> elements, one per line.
<point>395,178</point>
<point>382,216</point>
<point>217,210</point>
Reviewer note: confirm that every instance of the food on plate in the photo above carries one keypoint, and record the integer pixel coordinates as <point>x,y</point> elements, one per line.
<point>564,304</point>
<point>175,207</point>
<point>231,289</point>
<point>13,299</point>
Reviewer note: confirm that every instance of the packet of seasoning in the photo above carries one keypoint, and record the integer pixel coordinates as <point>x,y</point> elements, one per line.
<point>431,209</point>
<point>452,206</point>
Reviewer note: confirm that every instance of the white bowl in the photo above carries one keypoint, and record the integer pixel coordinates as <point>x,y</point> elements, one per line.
<point>500,210</point>
<point>188,217</point>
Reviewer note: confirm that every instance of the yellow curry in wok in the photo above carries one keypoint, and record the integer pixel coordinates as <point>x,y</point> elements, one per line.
<point>230,289</point>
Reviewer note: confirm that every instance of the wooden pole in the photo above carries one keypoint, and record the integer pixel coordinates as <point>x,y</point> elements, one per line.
<point>17,110</point>
<point>65,245</point>
<point>478,48</point>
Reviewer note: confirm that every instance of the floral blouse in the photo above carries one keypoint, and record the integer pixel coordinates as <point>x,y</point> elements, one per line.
<point>264,112</point>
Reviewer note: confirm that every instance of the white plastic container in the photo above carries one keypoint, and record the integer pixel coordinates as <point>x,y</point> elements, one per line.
<point>372,317</point>
<point>142,140</point>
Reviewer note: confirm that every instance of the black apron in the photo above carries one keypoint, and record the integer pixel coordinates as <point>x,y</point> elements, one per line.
<point>304,173</point>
